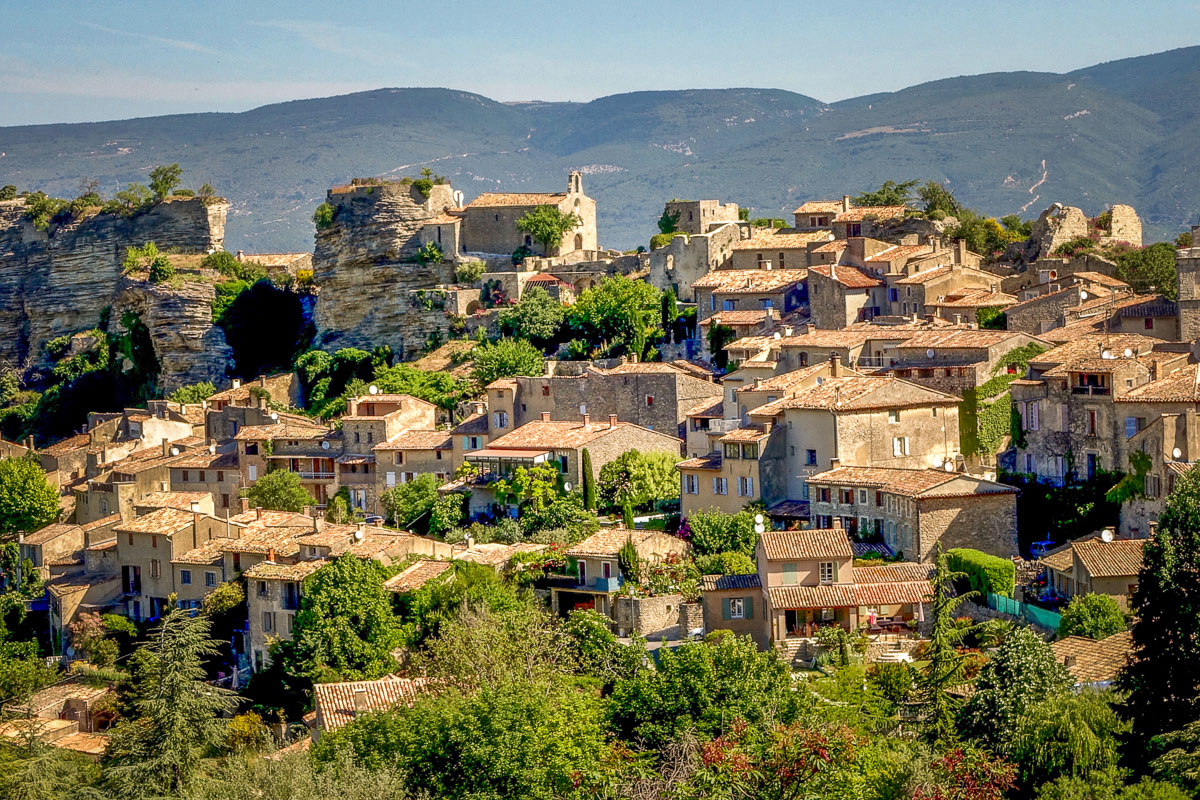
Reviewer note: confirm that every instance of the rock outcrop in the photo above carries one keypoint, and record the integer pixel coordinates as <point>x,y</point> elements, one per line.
<point>1059,224</point>
<point>59,281</point>
<point>364,263</point>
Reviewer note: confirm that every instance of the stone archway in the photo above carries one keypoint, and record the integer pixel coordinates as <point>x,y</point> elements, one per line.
<point>579,241</point>
<point>473,307</point>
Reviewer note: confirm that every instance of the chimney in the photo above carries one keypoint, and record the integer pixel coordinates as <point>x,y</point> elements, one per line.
<point>835,365</point>
<point>1153,528</point>
<point>834,463</point>
<point>845,202</point>
<point>766,426</point>
<point>935,242</point>
<point>166,446</point>
<point>1068,661</point>
<point>29,442</point>
<point>262,381</point>
<point>612,420</point>
<point>239,255</point>
<point>587,419</point>
<point>478,407</point>
<point>258,512</point>
<point>958,319</point>
<point>545,416</point>
<point>758,383</point>
<point>788,330</point>
<point>307,511</point>
<point>237,383</point>
<point>837,523</point>
<point>809,327</point>
<point>271,554</point>
<point>960,251</point>
<point>360,701</point>
<point>245,501</point>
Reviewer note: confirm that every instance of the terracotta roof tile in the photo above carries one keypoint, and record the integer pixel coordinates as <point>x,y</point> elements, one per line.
<point>848,276</point>
<point>50,533</point>
<point>819,207</point>
<point>207,553</point>
<point>337,704</point>
<point>911,482</point>
<point>860,213</point>
<point>1094,661</point>
<point>497,199</point>
<point>163,521</point>
<point>976,298</point>
<point>557,435</point>
<point>750,281</point>
<point>1113,559</point>
<point>786,381</point>
<point>901,571</point>
<point>925,276</point>
<point>282,430</point>
<point>710,462</point>
<point>272,571</point>
<point>806,545</point>
<point>416,575</point>
<point>180,500</point>
<point>70,444</point>
<point>859,393</point>
<point>725,583</point>
<point>609,541</point>
<point>786,238</point>
<point>836,246</point>
<point>755,316</point>
<point>1181,386</point>
<point>900,251</point>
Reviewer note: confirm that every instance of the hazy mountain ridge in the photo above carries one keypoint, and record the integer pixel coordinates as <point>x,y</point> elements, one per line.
<point>1123,131</point>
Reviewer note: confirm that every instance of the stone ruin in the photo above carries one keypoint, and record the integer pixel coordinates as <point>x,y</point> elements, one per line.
<point>1059,224</point>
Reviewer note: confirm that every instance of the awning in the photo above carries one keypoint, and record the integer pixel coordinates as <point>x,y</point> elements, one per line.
<point>348,459</point>
<point>496,454</point>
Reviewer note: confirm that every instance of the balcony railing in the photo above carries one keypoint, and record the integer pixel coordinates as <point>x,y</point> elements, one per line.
<point>723,425</point>
<point>315,476</point>
<point>605,584</point>
<point>1092,390</point>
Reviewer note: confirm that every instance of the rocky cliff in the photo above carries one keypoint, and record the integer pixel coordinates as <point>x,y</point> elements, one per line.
<point>364,262</point>
<point>60,280</point>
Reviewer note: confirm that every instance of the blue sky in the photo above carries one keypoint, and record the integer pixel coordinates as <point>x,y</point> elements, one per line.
<point>78,61</point>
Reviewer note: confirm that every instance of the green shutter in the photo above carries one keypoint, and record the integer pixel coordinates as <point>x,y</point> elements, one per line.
<point>789,574</point>
<point>724,608</point>
<point>749,604</point>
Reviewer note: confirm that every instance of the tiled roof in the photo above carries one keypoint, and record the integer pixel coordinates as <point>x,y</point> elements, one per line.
<point>958,338</point>
<point>819,207</point>
<point>1181,386</point>
<point>876,212</point>
<point>755,316</point>
<point>858,393</point>
<point>892,592</point>
<point>902,571</point>
<point>710,462</point>
<point>785,382</point>
<point>976,298</point>
<point>272,571</point>
<point>444,219</point>
<point>848,276</point>
<point>1100,278</point>
<point>474,424</point>
<point>162,521</point>
<point>494,554</point>
<point>750,281</point>
<point>709,408</point>
<point>556,435</point>
<point>900,251</point>
<point>50,533</point>
<point>724,583</point>
<point>338,703</point>
<point>100,523</point>
<point>416,575</point>
<point>806,545</point>
<point>609,541</point>
<point>207,553</point>
<point>911,482</point>
<point>925,276</point>
<point>181,500</point>
<point>493,199</point>
<point>1155,307</point>
<point>282,430</point>
<point>850,595</point>
<point>836,246</point>
<point>744,435</point>
<point>71,443</point>
<point>202,459</point>
<point>1060,559</point>
<point>1091,345</point>
<point>1110,559</point>
<point>774,238</point>
<point>417,440</point>
<point>1094,661</point>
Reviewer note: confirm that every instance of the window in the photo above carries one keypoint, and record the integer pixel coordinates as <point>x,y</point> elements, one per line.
<point>268,621</point>
<point>732,451</point>
<point>823,494</point>
<point>545,390</point>
<point>501,419</point>
<point>746,487</point>
<point>712,302</point>
<point>470,443</point>
<point>201,478</point>
<point>1028,463</point>
<point>154,541</point>
<point>827,572</point>
<point>691,484</point>
<point>894,416</point>
<point>210,579</point>
<point>185,476</point>
<point>155,568</point>
<point>1131,426</point>
<point>750,451</point>
<point>253,472</point>
<point>810,458</point>
<point>862,497</point>
<point>185,577</point>
<point>649,401</point>
<point>399,457</point>
<point>789,574</point>
<point>262,589</point>
<point>291,618</point>
<point>900,446</point>
<point>356,437</point>
<point>846,497</point>
<point>737,608</point>
<point>720,486</point>
<point>728,305</point>
<point>879,499</point>
<point>370,437</point>
<point>251,448</point>
<point>1149,323</point>
<point>1033,415</point>
<point>766,303</point>
<point>390,479</point>
<point>1091,422</point>
<point>225,500</point>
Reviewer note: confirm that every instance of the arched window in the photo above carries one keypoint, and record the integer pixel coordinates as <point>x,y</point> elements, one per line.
<point>579,241</point>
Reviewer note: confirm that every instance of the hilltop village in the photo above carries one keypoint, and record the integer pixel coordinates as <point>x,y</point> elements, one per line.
<point>884,466</point>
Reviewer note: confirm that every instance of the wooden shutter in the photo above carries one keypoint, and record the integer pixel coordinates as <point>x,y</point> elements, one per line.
<point>725,608</point>
<point>749,607</point>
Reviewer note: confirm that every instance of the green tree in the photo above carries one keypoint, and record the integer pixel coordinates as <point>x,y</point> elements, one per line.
<point>1096,616</point>
<point>1108,784</point>
<point>8,192</point>
<point>1023,672</point>
<point>718,532</point>
<point>547,225</point>
<point>469,272</point>
<point>946,665</point>
<point>718,337</point>
<point>179,715</point>
<point>1066,734</point>
<point>344,629</point>
<point>732,563</point>
<point>505,358</point>
<point>279,491</point>
<point>447,513</point>
<point>323,216</point>
<point>667,223</point>
<point>1149,270</point>
<point>27,500</point>
<point>1163,677</point>
<point>705,687</point>
<point>22,670</point>
<point>537,317</point>
<point>1178,757</point>
<point>408,502</point>
<point>889,194</point>
<point>639,479</point>
<point>937,197</point>
<point>618,316</point>
<point>589,480</point>
<point>164,178</point>
<point>193,392</point>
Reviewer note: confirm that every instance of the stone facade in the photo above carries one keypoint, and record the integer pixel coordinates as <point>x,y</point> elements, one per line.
<point>656,617</point>
<point>1187,267</point>
<point>687,259</point>
<point>699,216</point>
<point>489,222</point>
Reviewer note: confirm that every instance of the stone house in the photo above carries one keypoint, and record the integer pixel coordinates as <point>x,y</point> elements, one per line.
<point>734,603</point>
<point>750,289</point>
<point>1171,440</point>
<point>653,395</point>
<point>406,455</point>
<point>745,396</point>
<point>1099,563</point>
<point>968,303</point>
<point>809,580</point>
<point>920,292</point>
<point>201,502</point>
<point>704,421</point>
<point>842,295</point>
<point>819,213</point>
<point>198,572</point>
<point>746,468</point>
<point>473,433</point>
<point>211,472</point>
<point>686,259</point>
<point>1094,663</point>
<point>598,577</point>
<point>246,403</point>
<point>78,592</point>
<point>954,360</point>
<point>744,323</point>
<point>1074,417</point>
<point>700,216</point>
<point>914,510</point>
<point>777,248</point>
<point>295,444</point>
<point>489,222</point>
<point>50,544</point>
<point>335,705</point>
<point>856,419</point>
<point>560,444</point>
<point>370,421</point>
<point>1187,281</point>
<point>273,592</point>
<point>1059,307</point>
<point>865,221</point>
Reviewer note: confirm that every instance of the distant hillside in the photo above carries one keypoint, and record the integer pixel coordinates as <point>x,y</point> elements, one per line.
<point>1124,131</point>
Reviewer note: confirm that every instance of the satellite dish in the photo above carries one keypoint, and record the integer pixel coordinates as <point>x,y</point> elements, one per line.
<point>325,445</point>
<point>1106,535</point>
<point>1128,353</point>
<point>1106,354</point>
<point>758,519</point>
<point>1083,295</point>
<point>358,535</point>
<point>567,486</point>
<point>374,389</point>
<point>1176,454</point>
<point>930,353</point>
<point>274,416</point>
<point>948,466</point>
<point>776,336</point>
<point>212,449</point>
<point>174,451</point>
<point>759,528</point>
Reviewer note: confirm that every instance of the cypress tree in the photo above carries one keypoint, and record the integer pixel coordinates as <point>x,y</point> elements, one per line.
<point>627,515</point>
<point>589,481</point>
<point>1163,677</point>
<point>946,665</point>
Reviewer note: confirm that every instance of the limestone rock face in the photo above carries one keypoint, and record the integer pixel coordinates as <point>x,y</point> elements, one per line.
<point>363,265</point>
<point>59,281</point>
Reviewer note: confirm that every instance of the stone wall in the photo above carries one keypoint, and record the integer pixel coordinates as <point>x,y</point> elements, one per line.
<point>58,281</point>
<point>651,617</point>
<point>1126,227</point>
<point>686,259</point>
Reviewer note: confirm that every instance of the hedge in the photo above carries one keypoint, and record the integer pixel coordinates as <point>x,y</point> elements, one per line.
<point>984,573</point>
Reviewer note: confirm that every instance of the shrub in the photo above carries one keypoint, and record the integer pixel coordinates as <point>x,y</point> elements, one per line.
<point>429,253</point>
<point>1079,244</point>
<point>893,682</point>
<point>304,279</point>
<point>193,392</point>
<point>469,271</point>
<point>663,239</point>
<point>717,532</point>
<point>323,216</point>
<point>161,270</point>
<point>985,573</point>
<point>1096,616</point>
<point>732,563</point>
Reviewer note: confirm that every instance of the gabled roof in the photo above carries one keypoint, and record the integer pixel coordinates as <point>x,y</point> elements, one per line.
<point>498,199</point>
<point>50,533</point>
<point>848,276</point>
<point>918,483</point>
<point>787,380</point>
<point>725,583</point>
<point>859,213</point>
<point>900,251</point>
<point>806,545</point>
<point>819,207</point>
<point>164,521</point>
<point>416,575</point>
<point>750,281</point>
<point>181,500</point>
<point>768,238</point>
<point>552,435</point>
<point>337,704</point>
<point>710,462</point>
<point>1114,559</point>
<point>609,541</point>
<point>1181,386</point>
<point>272,571</point>
<point>858,393</point>
<point>70,444</point>
<point>1092,660</point>
<point>282,430</point>
<point>925,276</point>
